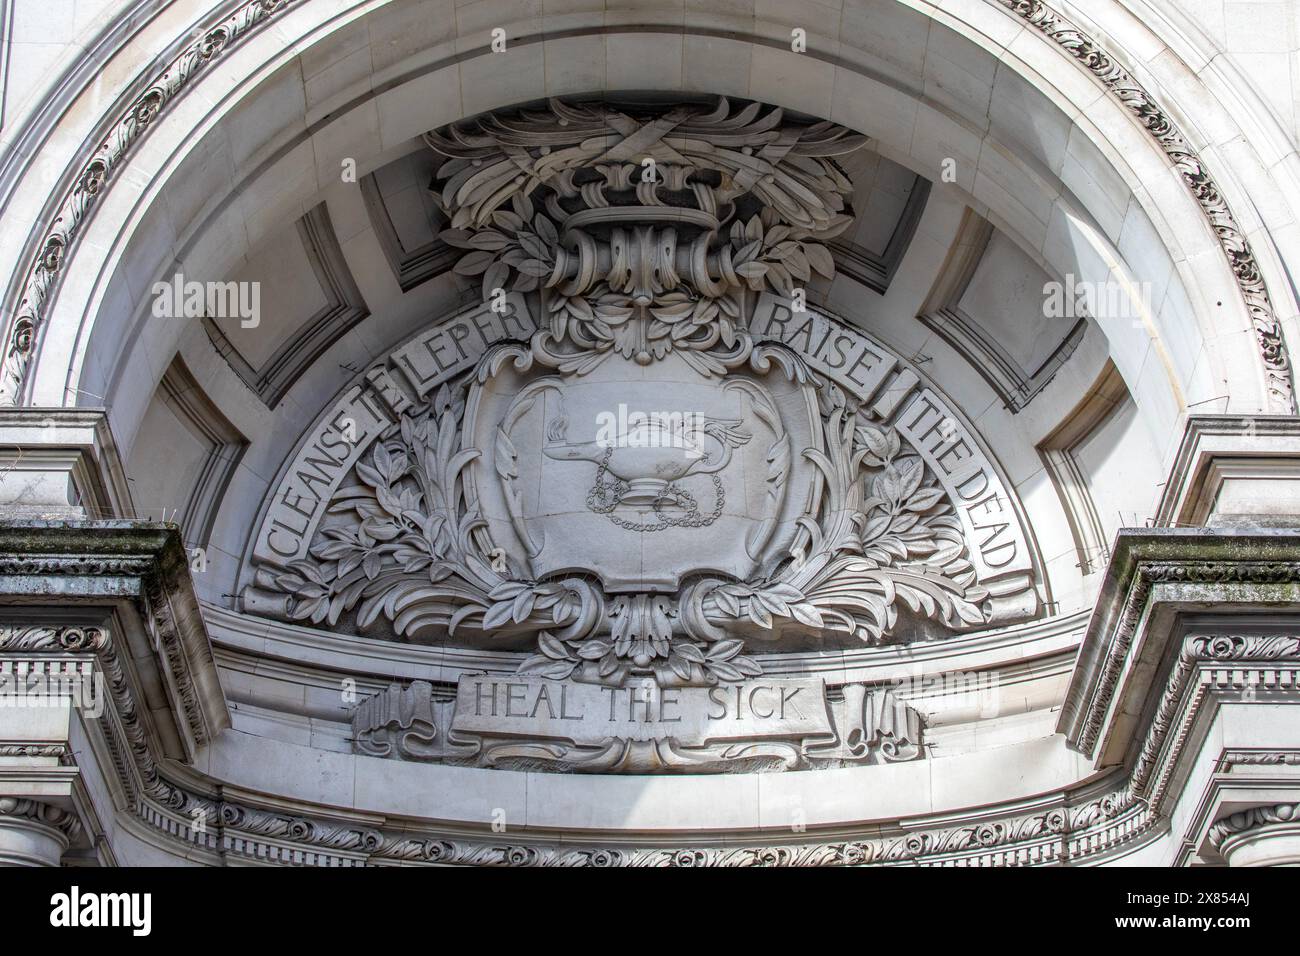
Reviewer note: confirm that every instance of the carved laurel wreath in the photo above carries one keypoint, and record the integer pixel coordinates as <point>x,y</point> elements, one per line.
<point>418,554</point>
<point>636,266</point>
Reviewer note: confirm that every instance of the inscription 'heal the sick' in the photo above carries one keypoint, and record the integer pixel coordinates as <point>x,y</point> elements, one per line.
<point>648,704</point>
<point>545,708</point>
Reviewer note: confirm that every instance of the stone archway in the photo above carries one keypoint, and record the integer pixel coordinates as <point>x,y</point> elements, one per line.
<point>405,533</point>
<point>1060,225</point>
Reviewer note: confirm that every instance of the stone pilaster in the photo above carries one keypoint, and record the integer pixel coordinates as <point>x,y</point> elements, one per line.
<point>1234,472</point>
<point>60,463</point>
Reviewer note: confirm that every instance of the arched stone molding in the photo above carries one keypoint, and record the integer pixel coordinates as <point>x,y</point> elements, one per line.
<point>1226,116</point>
<point>1262,179</point>
<point>29,123</point>
<point>844,85</point>
<point>1148,754</point>
<point>1099,262</point>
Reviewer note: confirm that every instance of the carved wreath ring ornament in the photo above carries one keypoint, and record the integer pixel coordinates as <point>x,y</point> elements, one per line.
<point>800,511</point>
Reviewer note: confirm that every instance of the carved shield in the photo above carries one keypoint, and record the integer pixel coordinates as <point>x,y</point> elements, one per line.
<point>643,476</point>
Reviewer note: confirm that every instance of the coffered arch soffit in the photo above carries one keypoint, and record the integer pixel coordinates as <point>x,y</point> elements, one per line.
<point>1017,171</point>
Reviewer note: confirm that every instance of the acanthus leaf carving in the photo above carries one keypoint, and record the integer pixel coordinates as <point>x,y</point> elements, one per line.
<point>644,247</point>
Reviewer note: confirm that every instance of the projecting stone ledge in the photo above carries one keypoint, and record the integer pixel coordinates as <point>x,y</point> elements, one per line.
<point>131,580</point>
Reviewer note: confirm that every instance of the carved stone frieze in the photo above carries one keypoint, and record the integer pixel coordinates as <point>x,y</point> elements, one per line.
<point>1259,758</point>
<point>59,751</point>
<point>231,829</point>
<point>56,637</point>
<point>1043,837</point>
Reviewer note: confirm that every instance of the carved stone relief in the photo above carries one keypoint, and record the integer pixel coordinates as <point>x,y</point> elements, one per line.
<point>644,457</point>
<point>639,727</point>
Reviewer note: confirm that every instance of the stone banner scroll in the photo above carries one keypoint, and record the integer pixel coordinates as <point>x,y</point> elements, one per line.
<point>590,714</point>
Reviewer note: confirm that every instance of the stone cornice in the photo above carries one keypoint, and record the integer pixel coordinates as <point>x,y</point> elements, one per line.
<point>91,549</point>
<point>185,811</point>
<point>120,559</point>
<point>1192,565</point>
<point>1062,827</point>
<point>1208,442</point>
<point>42,448</point>
<point>313,650</point>
<point>1208,669</point>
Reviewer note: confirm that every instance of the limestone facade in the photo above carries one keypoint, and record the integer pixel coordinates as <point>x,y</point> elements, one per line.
<point>857,432</point>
